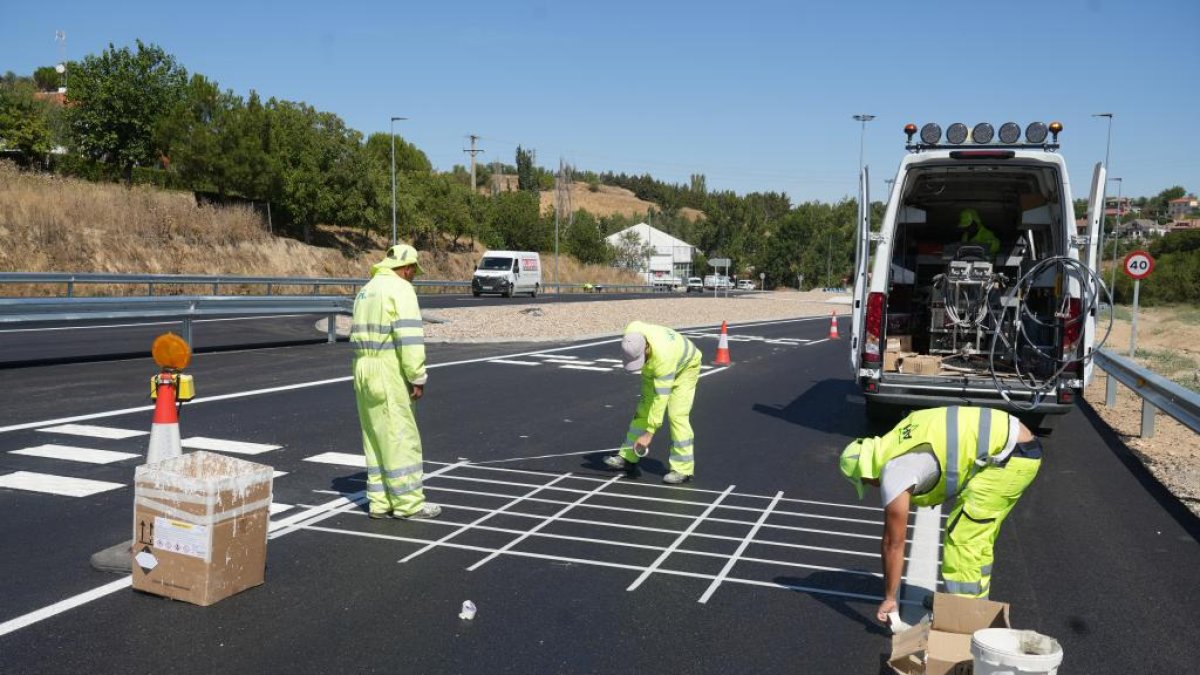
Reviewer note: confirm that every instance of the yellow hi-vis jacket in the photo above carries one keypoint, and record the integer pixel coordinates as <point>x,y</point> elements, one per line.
<point>387,324</point>
<point>962,439</point>
<point>670,352</point>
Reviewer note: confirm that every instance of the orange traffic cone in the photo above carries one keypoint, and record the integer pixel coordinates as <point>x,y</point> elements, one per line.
<point>723,347</point>
<point>164,431</point>
<point>833,334</point>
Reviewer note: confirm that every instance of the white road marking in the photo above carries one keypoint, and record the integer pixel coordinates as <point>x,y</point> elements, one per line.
<point>817,342</point>
<point>222,445</point>
<point>561,454</point>
<point>679,540</point>
<point>609,361</point>
<point>714,371</point>
<point>515,363</point>
<point>278,474</point>
<point>340,458</point>
<point>592,368</point>
<point>481,519</point>
<point>923,569</point>
<point>573,363</point>
<point>94,431</point>
<point>556,356</point>
<point>712,588</point>
<point>64,605</point>
<point>544,523</point>
<point>74,454</point>
<point>276,507</point>
<point>55,485</point>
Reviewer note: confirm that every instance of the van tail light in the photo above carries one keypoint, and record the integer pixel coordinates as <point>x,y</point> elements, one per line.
<point>874,329</point>
<point>1072,327</point>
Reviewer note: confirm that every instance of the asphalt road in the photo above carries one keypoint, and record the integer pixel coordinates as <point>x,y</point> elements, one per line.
<point>44,343</point>
<point>572,571</point>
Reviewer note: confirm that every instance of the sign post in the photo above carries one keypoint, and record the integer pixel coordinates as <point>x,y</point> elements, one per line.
<point>717,263</point>
<point>762,281</point>
<point>1138,265</point>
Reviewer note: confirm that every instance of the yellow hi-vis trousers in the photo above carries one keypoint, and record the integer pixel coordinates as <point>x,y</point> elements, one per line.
<point>391,442</point>
<point>974,524</point>
<point>679,410</point>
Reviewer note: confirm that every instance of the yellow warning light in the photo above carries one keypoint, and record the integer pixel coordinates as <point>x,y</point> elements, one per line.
<point>170,351</point>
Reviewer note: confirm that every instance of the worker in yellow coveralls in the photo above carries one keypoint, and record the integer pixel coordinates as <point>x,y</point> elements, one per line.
<point>389,374</point>
<point>983,459</point>
<point>670,366</point>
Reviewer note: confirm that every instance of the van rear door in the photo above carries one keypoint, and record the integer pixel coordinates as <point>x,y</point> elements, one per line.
<point>862,253</point>
<point>1094,227</point>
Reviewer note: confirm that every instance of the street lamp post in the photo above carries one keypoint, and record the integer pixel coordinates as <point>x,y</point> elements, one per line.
<point>392,130</point>
<point>864,118</point>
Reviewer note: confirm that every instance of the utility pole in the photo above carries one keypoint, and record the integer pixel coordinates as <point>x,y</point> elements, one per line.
<point>473,152</point>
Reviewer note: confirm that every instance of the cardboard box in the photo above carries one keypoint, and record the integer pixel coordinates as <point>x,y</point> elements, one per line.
<point>200,526</point>
<point>944,646</point>
<point>899,343</point>
<point>921,365</point>
<point>891,361</point>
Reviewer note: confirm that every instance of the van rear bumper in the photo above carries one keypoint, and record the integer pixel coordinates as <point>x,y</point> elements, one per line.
<point>915,391</point>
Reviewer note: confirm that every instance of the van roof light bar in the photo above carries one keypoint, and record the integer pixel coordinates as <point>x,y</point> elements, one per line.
<point>983,136</point>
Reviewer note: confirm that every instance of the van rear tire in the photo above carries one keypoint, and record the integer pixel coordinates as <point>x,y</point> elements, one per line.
<point>475,293</point>
<point>534,292</point>
<point>508,293</point>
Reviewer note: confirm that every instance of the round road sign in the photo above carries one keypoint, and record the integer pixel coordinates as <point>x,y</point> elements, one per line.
<point>1139,264</point>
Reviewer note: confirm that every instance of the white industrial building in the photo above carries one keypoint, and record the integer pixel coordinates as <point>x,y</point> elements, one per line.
<point>680,251</point>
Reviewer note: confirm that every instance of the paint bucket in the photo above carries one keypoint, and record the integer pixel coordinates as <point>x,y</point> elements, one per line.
<point>468,610</point>
<point>1005,651</point>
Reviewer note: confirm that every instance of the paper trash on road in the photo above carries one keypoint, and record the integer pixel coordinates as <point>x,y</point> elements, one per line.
<point>943,646</point>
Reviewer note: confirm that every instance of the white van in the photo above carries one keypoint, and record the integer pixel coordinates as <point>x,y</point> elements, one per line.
<point>945,313</point>
<point>508,272</point>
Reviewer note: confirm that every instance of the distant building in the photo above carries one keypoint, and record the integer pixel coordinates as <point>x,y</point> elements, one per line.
<point>662,244</point>
<point>1142,228</point>
<point>1178,209</point>
<point>1111,205</point>
<point>1193,224</point>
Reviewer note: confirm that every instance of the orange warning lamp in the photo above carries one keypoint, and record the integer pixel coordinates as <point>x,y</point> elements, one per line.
<point>910,130</point>
<point>170,351</point>
<point>1055,129</point>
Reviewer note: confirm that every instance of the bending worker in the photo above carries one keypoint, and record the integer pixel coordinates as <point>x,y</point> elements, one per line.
<point>389,373</point>
<point>670,366</point>
<point>979,457</point>
<point>975,233</point>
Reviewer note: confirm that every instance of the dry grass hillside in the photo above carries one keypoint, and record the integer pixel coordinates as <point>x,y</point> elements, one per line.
<point>607,200</point>
<point>54,224</point>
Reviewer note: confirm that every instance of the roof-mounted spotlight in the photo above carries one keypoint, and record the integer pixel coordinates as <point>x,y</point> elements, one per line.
<point>1055,130</point>
<point>1035,133</point>
<point>931,133</point>
<point>983,133</point>
<point>909,130</point>
<point>1010,132</point>
<point>957,133</point>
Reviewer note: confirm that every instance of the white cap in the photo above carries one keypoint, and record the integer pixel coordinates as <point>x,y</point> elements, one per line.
<point>633,348</point>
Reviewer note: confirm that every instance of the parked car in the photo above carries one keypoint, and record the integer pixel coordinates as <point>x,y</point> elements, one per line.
<point>745,285</point>
<point>717,281</point>
<point>695,285</point>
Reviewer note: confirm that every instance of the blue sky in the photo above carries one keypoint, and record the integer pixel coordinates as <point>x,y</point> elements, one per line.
<point>755,95</point>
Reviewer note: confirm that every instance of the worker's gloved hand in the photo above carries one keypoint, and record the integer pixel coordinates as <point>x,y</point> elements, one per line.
<point>418,390</point>
<point>885,608</point>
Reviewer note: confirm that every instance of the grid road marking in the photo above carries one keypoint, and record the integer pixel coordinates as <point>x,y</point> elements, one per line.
<point>712,588</point>
<point>221,445</point>
<point>74,454</point>
<point>94,431</point>
<point>679,540</point>
<point>55,485</point>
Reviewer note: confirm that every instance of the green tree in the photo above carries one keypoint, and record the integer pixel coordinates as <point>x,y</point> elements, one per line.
<point>527,179</point>
<point>584,240</point>
<point>47,78</point>
<point>26,123</point>
<point>516,222</point>
<point>118,99</point>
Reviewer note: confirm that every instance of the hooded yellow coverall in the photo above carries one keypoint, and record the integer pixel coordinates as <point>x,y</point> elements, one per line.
<point>389,356</point>
<point>968,444</point>
<point>669,379</point>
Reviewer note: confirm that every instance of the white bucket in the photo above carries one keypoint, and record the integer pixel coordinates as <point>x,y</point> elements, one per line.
<point>1004,651</point>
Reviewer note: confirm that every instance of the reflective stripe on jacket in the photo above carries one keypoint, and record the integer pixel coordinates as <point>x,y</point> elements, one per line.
<point>387,324</point>
<point>962,439</point>
<point>670,353</point>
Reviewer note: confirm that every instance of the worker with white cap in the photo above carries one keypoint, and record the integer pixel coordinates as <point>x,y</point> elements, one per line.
<point>670,367</point>
<point>389,374</point>
<point>983,459</point>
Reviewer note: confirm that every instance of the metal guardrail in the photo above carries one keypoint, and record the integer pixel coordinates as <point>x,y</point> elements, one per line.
<point>182,307</point>
<point>1157,392</point>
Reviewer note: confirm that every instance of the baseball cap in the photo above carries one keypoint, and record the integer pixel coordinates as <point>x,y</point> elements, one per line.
<point>633,349</point>
<point>401,255</point>
<point>858,462</point>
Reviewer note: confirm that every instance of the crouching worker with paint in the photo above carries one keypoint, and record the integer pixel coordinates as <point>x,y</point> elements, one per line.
<point>389,375</point>
<point>670,367</point>
<point>983,459</point>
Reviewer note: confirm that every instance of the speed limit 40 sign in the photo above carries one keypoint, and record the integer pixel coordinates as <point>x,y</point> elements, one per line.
<point>1139,264</point>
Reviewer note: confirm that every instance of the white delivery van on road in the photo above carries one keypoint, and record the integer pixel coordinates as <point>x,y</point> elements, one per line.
<point>980,290</point>
<point>508,272</point>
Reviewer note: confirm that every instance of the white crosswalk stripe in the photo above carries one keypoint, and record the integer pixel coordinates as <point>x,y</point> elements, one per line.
<point>339,458</point>
<point>93,431</point>
<point>74,454</point>
<point>56,485</point>
<point>221,445</point>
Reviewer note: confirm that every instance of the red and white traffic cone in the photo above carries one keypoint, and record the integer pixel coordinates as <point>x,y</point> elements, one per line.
<point>164,431</point>
<point>723,347</point>
<point>833,334</point>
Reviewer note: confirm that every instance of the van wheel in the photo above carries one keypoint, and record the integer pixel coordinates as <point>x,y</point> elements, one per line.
<point>475,293</point>
<point>534,292</point>
<point>509,292</point>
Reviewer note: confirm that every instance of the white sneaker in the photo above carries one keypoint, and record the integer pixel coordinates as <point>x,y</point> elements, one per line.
<point>615,462</point>
<point>675,478</point>
<point>427,512</point>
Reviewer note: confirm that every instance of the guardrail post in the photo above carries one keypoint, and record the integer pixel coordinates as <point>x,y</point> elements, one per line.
<point>71,288</point>
<point>1148,411</point>
<point>187,331</point>
<point>1110,390</point>
<point>316,289</point>
<point>150,290</point>
<point>215,291</point>
<point>269,287</point>
<point>331,328</point>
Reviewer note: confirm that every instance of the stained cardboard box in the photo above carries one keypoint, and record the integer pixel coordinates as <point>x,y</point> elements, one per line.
<point>921,365</point>
<point>200,526</point>
<point>943,647</point>
<point>891,361</point>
